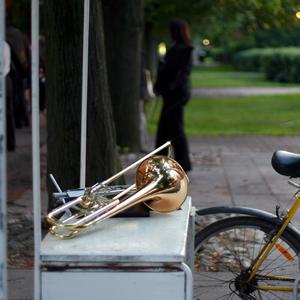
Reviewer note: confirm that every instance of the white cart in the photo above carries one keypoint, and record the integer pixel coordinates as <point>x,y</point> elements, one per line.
<point>123,258</point>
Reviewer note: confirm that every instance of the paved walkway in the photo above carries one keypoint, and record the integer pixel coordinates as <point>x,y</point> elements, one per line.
<point>237,171</point>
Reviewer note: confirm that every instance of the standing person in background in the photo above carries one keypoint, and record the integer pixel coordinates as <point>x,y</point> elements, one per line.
<point>173,84</point>
<point>10,123</point>
<point>20,72</point>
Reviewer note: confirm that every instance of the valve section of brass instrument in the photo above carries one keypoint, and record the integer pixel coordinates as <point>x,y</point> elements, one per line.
<point>161,184</point>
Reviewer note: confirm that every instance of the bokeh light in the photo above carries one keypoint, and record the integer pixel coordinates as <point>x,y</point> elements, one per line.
<point>206,42</point>
<point>162,49</point>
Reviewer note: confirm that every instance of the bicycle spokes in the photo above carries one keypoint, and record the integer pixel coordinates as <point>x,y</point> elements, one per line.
<point>226,251</point>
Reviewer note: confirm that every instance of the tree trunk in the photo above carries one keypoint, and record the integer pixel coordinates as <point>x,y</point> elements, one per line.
<point>64,38</point>
<point>123,27</point>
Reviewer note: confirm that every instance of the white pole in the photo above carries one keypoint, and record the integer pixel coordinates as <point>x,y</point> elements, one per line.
<point>36,143</point>
<point>3,179</point>
<point>85,57</point>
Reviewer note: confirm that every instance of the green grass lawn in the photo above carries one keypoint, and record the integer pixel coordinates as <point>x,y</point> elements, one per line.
<point>263,115</point>
<point>228,77</point>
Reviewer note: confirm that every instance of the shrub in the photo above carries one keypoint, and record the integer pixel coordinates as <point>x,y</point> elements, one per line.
<point>284,65</point>
<point>278,64</point>
<point>216,54</point>
<point>252,59</point>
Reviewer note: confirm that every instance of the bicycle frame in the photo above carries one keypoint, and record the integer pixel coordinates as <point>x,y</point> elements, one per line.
<point>269,246</point>
<point>264,252</point>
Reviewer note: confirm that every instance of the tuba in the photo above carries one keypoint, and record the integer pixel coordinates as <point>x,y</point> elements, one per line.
<point>161,184</point>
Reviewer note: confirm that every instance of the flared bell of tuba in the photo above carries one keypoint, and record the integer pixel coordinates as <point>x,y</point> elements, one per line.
<point>161,184</point>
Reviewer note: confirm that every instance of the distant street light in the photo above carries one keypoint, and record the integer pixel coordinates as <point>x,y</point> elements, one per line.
<point>298,14</point>
<point>162,49</point>
<point>205,42</point>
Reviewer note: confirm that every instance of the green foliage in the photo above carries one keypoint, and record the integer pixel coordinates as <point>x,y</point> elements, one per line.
<point>217,53</point>
<point>284,65</point>
<point>159,13</point>
<point>252,59</point>
<point>276,38</point>
<point>233,25</point>
<point>18,13</point>
<point>278,64</point>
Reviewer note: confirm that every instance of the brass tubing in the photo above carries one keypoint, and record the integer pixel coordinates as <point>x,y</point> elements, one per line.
<point>116,176</point>
<point>96,213</point>
<point>54,221</point>
<point>161,184</point>
<point>134,199</point>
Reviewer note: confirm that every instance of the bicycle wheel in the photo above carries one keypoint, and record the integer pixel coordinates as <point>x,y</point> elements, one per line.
<point>224,252</point>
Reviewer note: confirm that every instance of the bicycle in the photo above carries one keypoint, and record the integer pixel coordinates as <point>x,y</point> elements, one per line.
<point>253,256</point>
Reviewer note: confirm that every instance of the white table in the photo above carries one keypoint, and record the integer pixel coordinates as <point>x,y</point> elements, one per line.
<point>122,258</point>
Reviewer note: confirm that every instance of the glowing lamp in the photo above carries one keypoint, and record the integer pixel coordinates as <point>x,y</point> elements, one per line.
<point>206,42</point>
<point>162,49</point>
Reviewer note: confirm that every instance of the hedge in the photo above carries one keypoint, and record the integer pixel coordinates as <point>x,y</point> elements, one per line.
<point>278,64</point>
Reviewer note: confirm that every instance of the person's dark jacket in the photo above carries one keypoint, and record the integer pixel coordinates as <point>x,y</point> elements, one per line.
<point>174,71</point>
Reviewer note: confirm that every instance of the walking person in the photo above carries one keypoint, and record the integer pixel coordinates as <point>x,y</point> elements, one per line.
<point>173,84</point>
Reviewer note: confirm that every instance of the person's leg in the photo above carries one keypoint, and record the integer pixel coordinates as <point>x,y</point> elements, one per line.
<point>10,125</point>
<point>23,103</point>
<point>162,135</point>
<point>178,137</point>
<point>181,152</point>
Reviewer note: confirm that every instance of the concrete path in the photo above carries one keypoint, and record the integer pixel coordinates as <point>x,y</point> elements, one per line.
<point>243,91</point>
<point>237,171</point>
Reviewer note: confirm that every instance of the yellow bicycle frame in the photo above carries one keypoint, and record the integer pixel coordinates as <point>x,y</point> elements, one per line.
<point>267,249</point>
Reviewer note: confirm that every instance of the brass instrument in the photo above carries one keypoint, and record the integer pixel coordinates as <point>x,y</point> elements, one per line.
<point>161,184</point>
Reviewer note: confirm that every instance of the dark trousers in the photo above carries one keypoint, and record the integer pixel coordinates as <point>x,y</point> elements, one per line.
<point>171,128</point>
<point>20,106</point>
<point>10,123</point>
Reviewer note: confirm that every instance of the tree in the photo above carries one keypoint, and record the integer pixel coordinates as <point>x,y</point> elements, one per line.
<point>123,25</point>
<point>206,16</point>
<point>64,38</point>
<point>230,24</point>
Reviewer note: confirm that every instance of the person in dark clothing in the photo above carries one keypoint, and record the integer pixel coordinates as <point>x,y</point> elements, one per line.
<point>10,124</point>
<point>173,84</point>
<point>42,87</point>
<point>20,72</point>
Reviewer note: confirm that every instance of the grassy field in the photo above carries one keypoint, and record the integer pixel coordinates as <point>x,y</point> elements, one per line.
<point>228,77</point>
<point>263,115</point>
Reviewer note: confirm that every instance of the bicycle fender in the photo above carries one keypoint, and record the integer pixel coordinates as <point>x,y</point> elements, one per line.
<point>249,211</point>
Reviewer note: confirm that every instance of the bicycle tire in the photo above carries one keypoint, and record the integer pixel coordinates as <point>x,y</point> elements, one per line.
<point>225,249</point>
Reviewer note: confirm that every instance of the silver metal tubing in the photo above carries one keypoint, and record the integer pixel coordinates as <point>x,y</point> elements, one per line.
<point>295,289</point>
<point>85,59</point>
<point>36,143</point>
<point>55,183</point>
<point>3,177</point>
<point>188,281</point>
